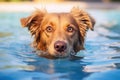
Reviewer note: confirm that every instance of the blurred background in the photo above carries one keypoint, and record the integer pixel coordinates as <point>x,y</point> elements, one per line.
<point>56,5</point>
<point>101,57</point>
<point>58,0</point>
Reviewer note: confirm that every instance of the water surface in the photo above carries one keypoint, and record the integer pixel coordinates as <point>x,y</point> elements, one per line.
<point>18,61</point>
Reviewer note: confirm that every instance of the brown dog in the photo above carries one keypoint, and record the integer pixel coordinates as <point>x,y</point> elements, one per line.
<point>59,34</point>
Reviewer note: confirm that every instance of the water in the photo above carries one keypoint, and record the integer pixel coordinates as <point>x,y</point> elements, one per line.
<point>18,61</point>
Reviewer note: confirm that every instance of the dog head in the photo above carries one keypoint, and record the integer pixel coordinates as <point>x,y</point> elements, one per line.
<point>59,34</point>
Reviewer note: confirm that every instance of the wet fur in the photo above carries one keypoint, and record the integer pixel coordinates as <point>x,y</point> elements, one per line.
<point>82,21</point>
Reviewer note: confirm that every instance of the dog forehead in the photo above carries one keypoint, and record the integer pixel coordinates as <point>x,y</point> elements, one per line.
<point>61,17</point>
<point>58,15</point>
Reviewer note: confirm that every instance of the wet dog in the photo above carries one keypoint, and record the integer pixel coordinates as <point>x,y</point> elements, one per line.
<point>59,34</point>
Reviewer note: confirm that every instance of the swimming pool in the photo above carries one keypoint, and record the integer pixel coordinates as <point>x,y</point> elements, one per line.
<point>18,61</point>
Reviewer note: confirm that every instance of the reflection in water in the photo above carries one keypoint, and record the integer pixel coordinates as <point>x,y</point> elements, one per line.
<point>107,59</point>
<point>106,75</point>
<point>5,34</point>
<point>9,62</point>
<point>115,46</point>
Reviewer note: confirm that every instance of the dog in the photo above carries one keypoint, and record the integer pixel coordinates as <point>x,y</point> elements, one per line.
<point>59,34</point>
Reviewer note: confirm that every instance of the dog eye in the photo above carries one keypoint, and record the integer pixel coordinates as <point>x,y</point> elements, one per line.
<point>70,29</point>
<point>49,29</point>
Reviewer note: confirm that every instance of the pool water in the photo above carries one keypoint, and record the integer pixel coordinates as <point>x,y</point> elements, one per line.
<point>101,61</point>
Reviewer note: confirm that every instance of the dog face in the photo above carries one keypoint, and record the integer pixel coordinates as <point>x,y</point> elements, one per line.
<point>59,34</point>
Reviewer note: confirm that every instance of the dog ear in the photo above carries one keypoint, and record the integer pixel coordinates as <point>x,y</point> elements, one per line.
<point>84,21</point>
<point>34,21</point>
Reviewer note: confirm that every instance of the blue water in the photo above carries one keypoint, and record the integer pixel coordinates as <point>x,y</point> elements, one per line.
<point>101,59</point>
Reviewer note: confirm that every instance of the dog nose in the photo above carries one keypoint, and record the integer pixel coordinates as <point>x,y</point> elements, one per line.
<point>60,46</point>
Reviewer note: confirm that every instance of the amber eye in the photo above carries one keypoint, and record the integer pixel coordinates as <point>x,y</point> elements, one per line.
<point>70,29</point>
<point>49,29</point>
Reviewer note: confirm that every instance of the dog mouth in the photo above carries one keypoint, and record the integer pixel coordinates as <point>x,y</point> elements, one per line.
<point>56,55</point>
<point>61,54</point>
<point>65,54</point>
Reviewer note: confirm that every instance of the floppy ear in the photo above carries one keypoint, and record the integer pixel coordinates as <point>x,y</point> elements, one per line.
<point>84,21</point>
<point>33,22</point>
